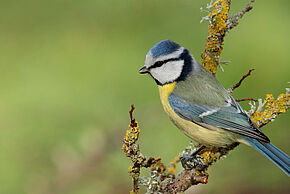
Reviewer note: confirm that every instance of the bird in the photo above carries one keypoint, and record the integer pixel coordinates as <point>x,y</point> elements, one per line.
<point>200,106</point>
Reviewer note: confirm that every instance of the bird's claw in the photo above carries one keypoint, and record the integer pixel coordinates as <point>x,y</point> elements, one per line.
<point>189,162</point>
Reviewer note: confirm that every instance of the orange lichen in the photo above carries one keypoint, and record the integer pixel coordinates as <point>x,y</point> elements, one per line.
<point>272,109</point>
<point>216,31</point>
<point>204,180</point>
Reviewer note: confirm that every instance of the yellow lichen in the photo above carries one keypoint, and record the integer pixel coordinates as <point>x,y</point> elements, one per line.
<point>172,165</point>
<point>158,166</point>
<point>132,135</point>
<point>216,32</point>
<point>131,148</point>
<point>209,155</point>
<point>272,109</point>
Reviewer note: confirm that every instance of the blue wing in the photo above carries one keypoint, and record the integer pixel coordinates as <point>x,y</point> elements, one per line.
<point>230,117</point>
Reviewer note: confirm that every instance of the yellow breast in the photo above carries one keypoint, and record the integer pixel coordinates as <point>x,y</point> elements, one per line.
<point>214,137</point>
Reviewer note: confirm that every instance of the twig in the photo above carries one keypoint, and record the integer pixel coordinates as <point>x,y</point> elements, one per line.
<point>241,80</point>
<point>133,123</point>
<point>234,20</point>
<point>246,99</point>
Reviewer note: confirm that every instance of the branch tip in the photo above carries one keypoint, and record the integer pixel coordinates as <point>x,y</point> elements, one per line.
<point>241,80</point>
<point>246,99</point>
<point>233,21</point>
<point>133,121</point>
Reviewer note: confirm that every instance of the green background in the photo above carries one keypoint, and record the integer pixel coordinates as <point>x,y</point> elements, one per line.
<point>68,75</point>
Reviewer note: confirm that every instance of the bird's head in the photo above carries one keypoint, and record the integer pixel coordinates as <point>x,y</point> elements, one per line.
<point>167,62</point>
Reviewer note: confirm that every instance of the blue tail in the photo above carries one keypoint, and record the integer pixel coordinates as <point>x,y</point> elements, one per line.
<point>281,159</point>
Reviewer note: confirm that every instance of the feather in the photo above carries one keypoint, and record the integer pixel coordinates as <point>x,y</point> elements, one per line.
<point>204,101</point>
<point>281,159</point>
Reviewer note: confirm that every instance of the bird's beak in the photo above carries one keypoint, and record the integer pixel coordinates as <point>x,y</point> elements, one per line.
<point>143,70</point>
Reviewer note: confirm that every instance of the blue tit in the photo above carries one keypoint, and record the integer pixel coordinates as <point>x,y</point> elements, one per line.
<point>200,106</point>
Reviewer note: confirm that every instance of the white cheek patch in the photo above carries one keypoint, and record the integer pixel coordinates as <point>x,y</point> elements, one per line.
<point>168,72</point>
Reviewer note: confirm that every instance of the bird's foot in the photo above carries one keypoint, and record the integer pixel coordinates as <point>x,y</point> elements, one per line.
<point>193,160</point>
<point>189,162</point>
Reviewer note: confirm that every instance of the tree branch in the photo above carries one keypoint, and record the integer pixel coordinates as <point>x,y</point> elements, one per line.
<point>217,28</point>
<point>272,110</point>
<point>131,149</point>
<point>197,175</point>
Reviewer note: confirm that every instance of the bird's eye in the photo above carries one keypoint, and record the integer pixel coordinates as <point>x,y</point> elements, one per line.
<point>157,64</point>
<point>160,63</point>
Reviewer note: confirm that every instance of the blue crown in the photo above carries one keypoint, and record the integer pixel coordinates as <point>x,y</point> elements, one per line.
<point>164,47</point>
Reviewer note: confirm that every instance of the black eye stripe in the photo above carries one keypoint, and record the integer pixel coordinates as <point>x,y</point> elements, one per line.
<point>160,63</point>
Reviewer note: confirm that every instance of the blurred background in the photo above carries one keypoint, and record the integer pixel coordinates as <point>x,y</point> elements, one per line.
<point>69,75</point>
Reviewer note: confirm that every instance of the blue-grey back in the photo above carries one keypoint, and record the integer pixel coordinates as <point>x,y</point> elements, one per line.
<point>201,87</point>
